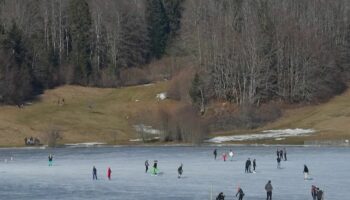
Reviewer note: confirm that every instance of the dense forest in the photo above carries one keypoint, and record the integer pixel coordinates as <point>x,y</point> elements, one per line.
<point>245,52</point>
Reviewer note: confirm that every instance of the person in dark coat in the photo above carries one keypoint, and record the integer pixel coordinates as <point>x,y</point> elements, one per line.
<point>254,165</point>
<point>221,196</point>
<point>281,154</point>
<point>240,194</point>
<point>285,154</point>
<point>179,171</point>
<point>215,153</point>
<point>319,194</point>
<point>94,173</point>
<point>278,162</point>
<point>50,159</point>
<point>247,165</point>
<point>146,166</point>
<point>268,189</point>
<point>306,172</point>
<point>314,192</point>
<point>155,167</point>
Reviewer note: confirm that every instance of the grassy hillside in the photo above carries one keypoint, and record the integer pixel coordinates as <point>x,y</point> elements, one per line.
<point>331,120</point>
<point>88,114</point>
<point>104,115</point>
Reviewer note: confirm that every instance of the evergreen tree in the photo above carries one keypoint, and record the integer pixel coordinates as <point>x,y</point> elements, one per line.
<point>174,9</point>
<point>16,79</point>
<point>79,27</point>
<point>158,27</point>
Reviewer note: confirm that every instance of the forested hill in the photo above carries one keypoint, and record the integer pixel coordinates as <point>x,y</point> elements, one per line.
<point>251,56</point>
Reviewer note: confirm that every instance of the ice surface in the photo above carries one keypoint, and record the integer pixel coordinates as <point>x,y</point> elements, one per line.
<point>268,134</point>
<point>28,176</point>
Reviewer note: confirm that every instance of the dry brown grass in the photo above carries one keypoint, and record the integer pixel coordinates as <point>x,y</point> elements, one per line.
<point>331,120</point>
<point>88,115</point>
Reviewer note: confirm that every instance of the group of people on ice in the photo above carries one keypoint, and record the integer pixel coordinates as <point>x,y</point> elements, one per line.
<point>224,155</point>
<point>281,155</point>
<point>94,173</point>
<point>316,193</point>
<point>248,166</point>
<point>240,194</point>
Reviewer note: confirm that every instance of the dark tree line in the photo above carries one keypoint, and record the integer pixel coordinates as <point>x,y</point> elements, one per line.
<point>246,51</point>
<point>256,51</point>
<point>85,42</point>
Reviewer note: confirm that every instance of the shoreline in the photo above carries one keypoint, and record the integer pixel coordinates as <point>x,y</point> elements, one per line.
<point>82,145</point>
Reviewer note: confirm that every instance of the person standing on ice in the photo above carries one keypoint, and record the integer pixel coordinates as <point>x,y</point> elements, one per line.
<point>240,194</point>
<point>231,155</point>
<point>179,171</point>
<point>314,192</point>
<point>146,166</point>
<point>281,154</point>
<point>215,153</point>
<point>50,159</point>
<point>94,173</point>
<point>155,167</point>
<point>268,189</point>
<point>319,194</point>
<point>224,155</point>
<point>221,196</point>
<point>247,166</point>
<point>278,162</point>
<point>285,154</point>
<point>254,165</point>
<point>109,173</point>
<point>278,152</point>
<point>306,172</point>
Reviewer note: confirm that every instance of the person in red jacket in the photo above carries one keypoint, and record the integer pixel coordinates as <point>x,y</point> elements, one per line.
<point>109,173</point>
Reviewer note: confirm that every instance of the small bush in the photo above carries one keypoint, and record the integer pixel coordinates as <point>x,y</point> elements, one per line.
<point>134,76</point>
<point>52,136</point>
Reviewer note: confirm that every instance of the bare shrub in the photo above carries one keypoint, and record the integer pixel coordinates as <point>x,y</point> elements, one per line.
<point>180,124</point>
<point>134,76</point>
<point>246,116</point>
<point>180,85</point>
<point>52,136</point>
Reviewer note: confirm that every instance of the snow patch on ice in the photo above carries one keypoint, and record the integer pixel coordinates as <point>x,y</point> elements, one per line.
<point>86,144</point>
<point>267,134</point>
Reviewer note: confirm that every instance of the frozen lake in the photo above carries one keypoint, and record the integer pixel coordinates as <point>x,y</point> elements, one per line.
<point>28,176</point>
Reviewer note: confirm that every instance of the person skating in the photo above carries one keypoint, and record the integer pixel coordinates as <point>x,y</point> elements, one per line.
<point>215,153</point>
<point>319,194</point>
<point>314,192</point>
<point>155,167</point>
<point>278,162</point>
<point>285,154</point>
<point>224,155</point>
<point>268,188</point>
<point>247,166</point>
<point>221,196</point>
<point>281,154</point>
<point>306,172</point>
<point>231,155</point>
<point>94,173</point>
<point>109,173</point>
<point>240,194</point>
<point>146,166</point>
<point>254,165</point>
<point>179,171</point>
<point>50,159</point>
<point>278,152</point>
